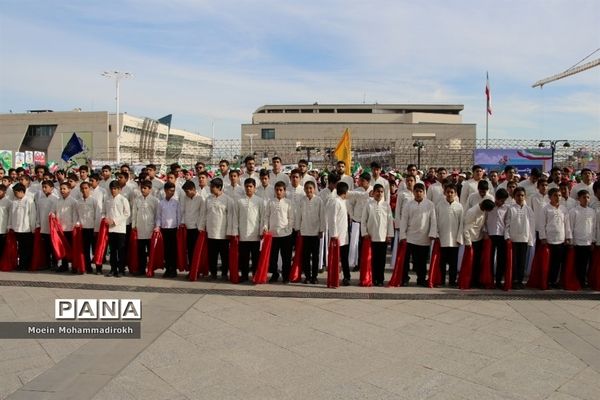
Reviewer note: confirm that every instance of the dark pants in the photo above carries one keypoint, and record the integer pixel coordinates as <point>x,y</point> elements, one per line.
<point>344,252</point>
<point>88,238</point>
<point>192,236</point>
<point>378,253</point>
<point>449,257</point>
<point>25,249</point>
<point>143,249</point>
<point>248,251</point>
<point>69,239</point>
<point>50,260</point>
<point>477,247</point>
<point>2,241</point>
<point>170,242</point>
<point>216,248</point>
<point>310,256</point>
<point>499,250</point>
<point>419,256</point>
<point>557,259</point>
<point>582,259</point>
<point>127,235</point>
<point>116,245</point>
<point>519,256</point>
<point>281,245</point>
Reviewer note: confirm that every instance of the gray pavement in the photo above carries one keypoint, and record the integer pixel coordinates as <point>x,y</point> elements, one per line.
<point>256,344</point>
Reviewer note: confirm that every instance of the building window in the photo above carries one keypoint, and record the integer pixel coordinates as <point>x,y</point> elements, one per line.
<point>267,133</point>
<point>38,137</point>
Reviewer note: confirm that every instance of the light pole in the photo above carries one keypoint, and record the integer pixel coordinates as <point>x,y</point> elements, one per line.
<point>553,144</point>
<point>419,145</point>
<point>117,76</point>
<point>308,150</point>
<point>251,136</point>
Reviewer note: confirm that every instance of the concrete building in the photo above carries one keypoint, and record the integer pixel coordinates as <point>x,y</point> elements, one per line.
<point>142,139</point>
<point>386,132</point>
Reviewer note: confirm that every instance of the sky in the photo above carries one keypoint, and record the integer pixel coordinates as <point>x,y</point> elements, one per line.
<point>215,62</point>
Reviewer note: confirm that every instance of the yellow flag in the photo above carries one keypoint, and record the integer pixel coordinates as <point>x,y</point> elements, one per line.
<point>342,151</point>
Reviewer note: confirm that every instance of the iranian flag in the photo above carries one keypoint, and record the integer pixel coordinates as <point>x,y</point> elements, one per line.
<point>488,94</point>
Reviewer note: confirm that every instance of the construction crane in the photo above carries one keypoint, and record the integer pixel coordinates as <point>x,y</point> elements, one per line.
<point>571,71</point>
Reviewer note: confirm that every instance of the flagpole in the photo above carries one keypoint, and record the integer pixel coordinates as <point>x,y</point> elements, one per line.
<point>487,106</point>
<point>486,125</point>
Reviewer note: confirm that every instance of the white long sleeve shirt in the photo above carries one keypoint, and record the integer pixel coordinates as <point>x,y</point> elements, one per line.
<point>537,202</point>
<point>475,198</point>
<point>168,214</point>
<point>217,216</point>
<point>22,215</point>
<point>520,224</point>
<point>5,205</point>
<point>468,187</point>
<point>449,218</point>
<point>279,217</point>
<point>310,219</point>
<point>157,187</point>
<point>88,213</point>
<point>494,225</point>
<point>295,193</point>
<point>555,227</point>
<point>100,195</point>
<point>348,180</point>
<point>473,224</point>
<point>337,220</point>
<point>44,206</point>
<point>356,201</point>
<point>144,216</point>
<point>280,177</point>
<point>386,187</point>
<point>403,198</point>
<point>117,209</point>
<point>582,186</point>
<point>435,193</point>
<point>377,221</point>
<point>190,210</point>
<point>247,218</point>
<point>583,225</point>
<point>235,192</point>
<point>530,188</point>
<point>266,193</point>
<point>66,212</point>
<point>569,202</point>
<point>418,222</point>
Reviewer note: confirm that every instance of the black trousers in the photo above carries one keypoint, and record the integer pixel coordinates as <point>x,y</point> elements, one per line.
<point>170,242</point>
<point>310,256</point>
<point>143,249</point>
<point>344,252</point>
<point>216,248</point>
<point>582,259</point>
<point>127,235</point>
<point>477,247</point>
<point>116,245</point>
<point>419,256</point>
<point>49,254</point>
<point>557,259</point>
<point>281,245</point>
<point>69,239</point>
<point>192,236</point>
<point>88,238</point>
<point>25,249</point>
<point>2,241</point>
<point>519,256</point>
<point>498,250</point>
<point>378,254</point>
<point>248,250</point>
<point>449,257</point>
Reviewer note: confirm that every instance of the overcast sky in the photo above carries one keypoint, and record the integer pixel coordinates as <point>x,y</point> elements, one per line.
<point>218,61</point>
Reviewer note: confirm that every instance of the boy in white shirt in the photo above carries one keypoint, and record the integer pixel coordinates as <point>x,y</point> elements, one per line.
<point>449,216</point>
<point>565,198</point>
<point>537,202</point>
<point>311,225</point>
<point>404,196</point>
<point>520,229</point>
<point>117,212</point>
<point>22,219</point>
<point>473,229</point>
<point>583,225</point>
<point>235,190</point>
<point>191,204</point>
<point>279,220</point>
<point>377,224</point>
<point>4,208</point>
<point>494,228</point>
<point>247,219</point>
<point>265,189</point>
<point>337,226</point>
<point>65,209</point>
<point>482,193</point>
<point>356,202</point>
<point>89,215</point>
<point>45,203</point>
<point>168,218</point>
<point>143,219</point>
<point>555,230</point>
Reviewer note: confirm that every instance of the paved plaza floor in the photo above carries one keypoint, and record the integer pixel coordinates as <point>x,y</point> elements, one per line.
<point>214,340</point>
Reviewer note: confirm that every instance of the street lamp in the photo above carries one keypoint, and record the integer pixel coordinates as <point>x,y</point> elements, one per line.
<point>553,144</point>
<point>251,136</point>
<point>419,145</point>
<point>117,76</point>
<point>308,149</point>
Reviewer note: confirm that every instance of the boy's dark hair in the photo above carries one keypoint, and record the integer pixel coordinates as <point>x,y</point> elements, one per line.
<point>541,181</point>
<point>441,169</point>
<point>217,182</point>
<point>276,158</point>
<point>487,205</point>
<point>366,176</point>
<point>536,172</point>
<point>84,183</point>
<point>508,168</point>
<point>151,166</point>
<point>419,186</point>
<point>73,176</point>
<point>501,194</point>
<point>519,189</point>
<point>47,182</point>
<point>483,185</point>
<point>26,177</point>
<point>204,173</point>
<point>582,193</point>
<point>263,172</point>
<point>95,176</point>
<point>114,185</point>
<point>410,166</point>
<point>375,164</point>
<point>188,185</point>
<point>250,181</point>
<point>2,187</point>
<point>341,188</point>
<point>333,178</point>
<point>124,175</point>
<point>295,171</point>
<point>450,186</point>
<point>280,184</point>
<point>19,187</point>
<point>596,186</point>
<point>309,183</point>
<point>224,161</point>
<point>249,158</point>
<point>106,167</point>
<point>169,185</point>
<point>83,168</point>
<point>583,170</point>
<point>146,184</point>
<point>302,161</point>
<point>234,171</point>
<point>552,191</point>
<point>476,166</point>
<point>378,186</point>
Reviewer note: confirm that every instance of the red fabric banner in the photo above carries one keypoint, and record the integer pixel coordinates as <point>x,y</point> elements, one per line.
<point>182,263</point>
<point>60,245</point>
<point>39,258</point>
<point>397,276</point>
<point>466,269</point>
<point>262,269</point>
<point>594,272</point>
<point>296,271</point>
<point>333,266</point>
<point>133,260</point>
<point>366,263</point>
<point>509,266</point>
<point>197,258</point>
<point>156,259</point>
<point>540,268</point>
<point>101,243</point>
<point>486,278</point>
<point>234,258</point>
<point>435,274</point>
<point>571,281</point>
<point>8,261</point>
<point>77,257</point>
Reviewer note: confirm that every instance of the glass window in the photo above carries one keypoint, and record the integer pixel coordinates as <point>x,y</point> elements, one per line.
<point>267,133</point>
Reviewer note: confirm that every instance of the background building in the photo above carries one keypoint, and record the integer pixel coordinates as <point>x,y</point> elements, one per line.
<point>142,140</point>
<point>389,133</point>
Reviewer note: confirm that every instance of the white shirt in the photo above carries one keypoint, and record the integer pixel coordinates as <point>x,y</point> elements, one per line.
<point>295,194</point>
<point>100,195</point>
<point>537,202</point>
<point>348,180</point>
<point>266,193</point>
<point>356,201</point>
<point>386,187</point>
<point>418,222</point>
<point>254,175</point>
<point>495,225</point>
<point>468,187</point>
<point>449,218</point>
<point>217,216</point>
<point>582,186</point>
<point>168,214</point>
<point>403,197</point>
<point>569,202</point>
<point>157,187</point>
<point>22,215</point>
<point>191,210</point>
<point>530,187</point>
<point>307,177</point>
<point>554,225</point>
<point>247,219</point>
<point>279,217</point>
<point>281,176</point>
<point>520,224</point>
<point>473,225</point>
<point>104,184</point>
<point>474,199</point>
<point>117,209</point>
<point>88,213</point>
<point>336,214</point>
<point>45,205</point>
<point>310,216</point>
<point>66,212</point>
<point>235,192</point>
<point>377,221</point>
<point>435,193</point>
<point>5,205</point>
<point>144,216</point>
<point>583,225</point>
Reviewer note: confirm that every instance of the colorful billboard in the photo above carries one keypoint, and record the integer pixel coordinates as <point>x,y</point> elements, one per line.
<point>522,159</point>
